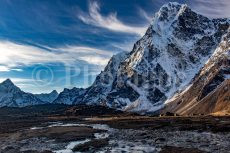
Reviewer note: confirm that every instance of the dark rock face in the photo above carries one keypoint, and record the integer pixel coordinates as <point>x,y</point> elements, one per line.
<point>191,23</point>
<point>212,85</point>
<point>125,93</point>
<point>155,95</point>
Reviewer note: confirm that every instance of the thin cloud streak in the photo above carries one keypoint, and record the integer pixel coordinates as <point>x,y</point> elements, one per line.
<point>4,68</point>
<point>7,69</point>
<point>213,8</point>
<point>126,46</point>
<point>110,22</point>
<point>145,15</point>
<point>16,55</point>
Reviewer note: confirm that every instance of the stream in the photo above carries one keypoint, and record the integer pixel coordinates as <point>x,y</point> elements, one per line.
<point>120,140</point>
<point>115,146</point>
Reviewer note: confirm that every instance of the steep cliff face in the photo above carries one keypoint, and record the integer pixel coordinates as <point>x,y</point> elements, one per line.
<point>210,90</point>
<point>175,47</point>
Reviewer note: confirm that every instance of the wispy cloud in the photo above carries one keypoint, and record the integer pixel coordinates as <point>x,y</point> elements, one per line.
<point>88,54</point>
<point>14,55</point>
<point>111,22</point>
<point>4,68</point>
<point>213,8</point>
<point>145,15</point>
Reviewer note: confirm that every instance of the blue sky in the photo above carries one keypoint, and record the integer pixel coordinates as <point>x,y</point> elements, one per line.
<point>56,44</point>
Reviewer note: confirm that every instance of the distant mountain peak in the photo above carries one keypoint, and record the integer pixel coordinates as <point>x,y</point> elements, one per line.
<point>13,96</point>
<point>8,82</point>
<point>54,92</point>
<point>47,97</point>
<point>68,96</point>
<point>8,85</point>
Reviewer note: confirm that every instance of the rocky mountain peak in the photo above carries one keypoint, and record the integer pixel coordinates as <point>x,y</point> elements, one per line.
<point>167,14</point>
<point>8,82</point>
<point>169,11</point>
<point>13,96</point>
<point>9,86</point>
<point>47,97</point>
<point>54,92</point>
<point>164,61</point>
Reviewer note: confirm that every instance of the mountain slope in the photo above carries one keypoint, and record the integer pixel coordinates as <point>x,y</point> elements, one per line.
<point>12,96</point>
<point>102,85</point>
<point>210,91</point>
<point>48,97</point>
<point>175,47</point>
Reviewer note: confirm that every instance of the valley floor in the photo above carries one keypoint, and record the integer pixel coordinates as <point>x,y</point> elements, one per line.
<point>114,133</point>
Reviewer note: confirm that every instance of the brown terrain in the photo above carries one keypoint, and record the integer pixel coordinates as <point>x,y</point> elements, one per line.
<point>215,103</point>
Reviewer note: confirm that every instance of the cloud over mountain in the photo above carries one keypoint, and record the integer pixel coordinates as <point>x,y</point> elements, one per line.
<point>111,22</point>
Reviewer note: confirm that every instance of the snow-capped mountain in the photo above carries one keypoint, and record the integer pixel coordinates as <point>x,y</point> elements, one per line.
<point>48,97</point>
<point>163,62</point>
<point>70,96</point>
<point>12,96</point>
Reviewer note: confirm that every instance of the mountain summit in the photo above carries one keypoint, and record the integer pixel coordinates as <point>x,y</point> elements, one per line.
<point>8,82</point>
